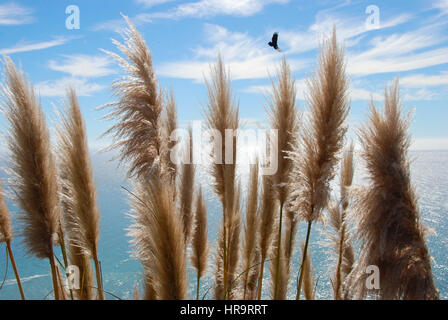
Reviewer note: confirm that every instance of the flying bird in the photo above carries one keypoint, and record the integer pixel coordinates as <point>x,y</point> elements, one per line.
<point>273,42</point>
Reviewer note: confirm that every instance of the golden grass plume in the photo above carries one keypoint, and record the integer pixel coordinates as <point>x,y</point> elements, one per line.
<point>250,249</point>
<point>158,239</point>
<point>389,225</point>
<point>267,225</point>
<point>317,151</point>
<point>81,212</point>
<point>169,125</point>
<point>6,234</point>
<point>200,248</point>
<point>341,239</point>
<point>34,172</point>
<point>222,115</point>
<point>138,110</point>
<point>283,117</point>
<point>186,188</point>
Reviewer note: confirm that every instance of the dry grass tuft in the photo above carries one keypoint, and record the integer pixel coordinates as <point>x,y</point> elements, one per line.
<point>308,277</point>
<point>78,258</point>
<point>250,249</point>
<point>81,212</point>
<point>283,117</point>
<point>341,240</point>
<point>159,240</point>
<point>6,234</point>
<point>186,188</point>
<point>168,127</point>
<point>234,248</point>
<point>138,111</point>
<point>200,249</point>
<point>389,222</point>
<point>317,152</point>
<point>268,219</point>
<point>222,115</point>
<point>34,171</point>
<point>34,177</point>
<point>279,272</point>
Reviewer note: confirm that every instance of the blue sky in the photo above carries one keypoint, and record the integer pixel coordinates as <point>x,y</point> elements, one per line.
<point>411,42</point>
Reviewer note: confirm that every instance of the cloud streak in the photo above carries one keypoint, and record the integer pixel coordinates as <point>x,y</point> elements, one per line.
<point>152,3</point>
<point>406,51</point>
<point>209,8</point>
<point>58,88</point>
<point>246,57</point>
<point>25,47</point>
<point>12,14</point>
<point>83,66</point>
<point>196,9</point>
<point>422,80</point>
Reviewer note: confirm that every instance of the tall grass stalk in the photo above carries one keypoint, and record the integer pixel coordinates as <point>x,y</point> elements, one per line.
<point>186,187</point>
<point>137,132</point>
<point>283,116</point>
<point>389,225</point>
<point>339,222</point>
<point>82,214</point>
<point>200,249</point>
<point>6,236</point>
<point>250,250</point>
<point>34,176</point>
<point>222,115</point>
<point>317,152</point>
<point>159,239</point>
<point>266,227</point>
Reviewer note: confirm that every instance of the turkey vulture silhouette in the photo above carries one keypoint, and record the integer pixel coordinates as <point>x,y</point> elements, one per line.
<point>273,43</point>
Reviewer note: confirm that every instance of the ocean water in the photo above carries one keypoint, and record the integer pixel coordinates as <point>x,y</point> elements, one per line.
<point>121,272</point>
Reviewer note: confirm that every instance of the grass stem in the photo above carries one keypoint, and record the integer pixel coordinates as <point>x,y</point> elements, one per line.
<point>305,252</point>
<point>13,263</point>
<point>279,245</point>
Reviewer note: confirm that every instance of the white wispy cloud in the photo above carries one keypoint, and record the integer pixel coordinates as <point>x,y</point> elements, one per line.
<point>152,3</point>
<point>422,94</point>
<point>442,5</point>
<point>301,88</point>
<point>208,8</point>
<point>25,47</point>
<point>83,65</point>
<point>399,63</point>
<point>196,9</point>
<point>246,57</point>
<point>406,51</point>
<point>117,25</point>
<point>58,88</point>
<point>13,14</point>
<point>356,94</point>
<point>349,29</point>
<point>360,94</point>
<point>422,80</point>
